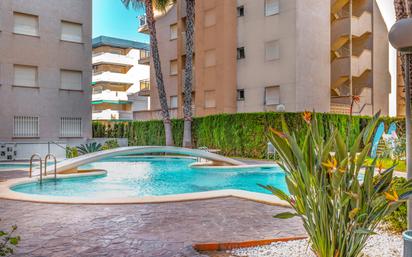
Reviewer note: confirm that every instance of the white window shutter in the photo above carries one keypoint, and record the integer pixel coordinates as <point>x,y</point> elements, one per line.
<point>271,7</point>
<point>71,80</point>
<point>272,50</point>
<point>26,24</point>
<point>173,102</point>
<point>71,32</point>
<point>272,95</point>
<point>25,76</point>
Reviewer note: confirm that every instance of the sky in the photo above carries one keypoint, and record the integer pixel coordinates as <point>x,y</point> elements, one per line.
<point>111,18</point>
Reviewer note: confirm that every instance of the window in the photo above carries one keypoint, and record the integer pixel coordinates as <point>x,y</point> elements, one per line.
<point>272,50</point>
<point>210,99</point>
<point>240,11</point>
<point>173,67</point>
<point>71,80</point>
<point>173,31</point>
<point>210,58</point>
<point>26,24</point>
<point>240,94</point>
<point>70,127</point>
<point>210,18</point>
<point>25,126</point>
<point>173,101</point>
<point>272,95</point>
<point>25,76</point>
<point>241,53</point>
<point>71,32</point>
<point>271,7</point>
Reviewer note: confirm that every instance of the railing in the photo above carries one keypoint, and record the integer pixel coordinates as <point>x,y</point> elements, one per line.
<point>144,85</point>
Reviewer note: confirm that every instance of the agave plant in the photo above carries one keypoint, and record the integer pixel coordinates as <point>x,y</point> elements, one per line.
<point>89,148</point>
<point>339,212</point>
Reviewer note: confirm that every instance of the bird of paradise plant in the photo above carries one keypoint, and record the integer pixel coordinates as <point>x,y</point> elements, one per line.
<point>339,212</point>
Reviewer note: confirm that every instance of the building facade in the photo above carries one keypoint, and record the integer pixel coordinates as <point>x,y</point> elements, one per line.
<point>276,55</point>
<point>120,78</point>
<point>45,70</point>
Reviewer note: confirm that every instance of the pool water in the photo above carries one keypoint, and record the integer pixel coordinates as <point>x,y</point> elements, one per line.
<point>137,177</point>
<point>14,165</point>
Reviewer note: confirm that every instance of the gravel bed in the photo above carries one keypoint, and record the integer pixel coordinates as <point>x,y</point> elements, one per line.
<point>381,245</point>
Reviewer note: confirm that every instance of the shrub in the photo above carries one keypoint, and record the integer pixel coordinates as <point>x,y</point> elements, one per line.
<point>110,144</point>
<point>338,212</point>
<point>8,241</point>
<point>89,148</point>
<point>240,134</point>
<point>71,152</point>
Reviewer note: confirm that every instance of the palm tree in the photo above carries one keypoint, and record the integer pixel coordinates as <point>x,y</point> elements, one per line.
<point>151,24</point>
<point>187,90</point>
<point>403,10</point>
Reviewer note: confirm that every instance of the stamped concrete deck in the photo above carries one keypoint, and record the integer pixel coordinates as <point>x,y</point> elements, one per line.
<point>168,229</point>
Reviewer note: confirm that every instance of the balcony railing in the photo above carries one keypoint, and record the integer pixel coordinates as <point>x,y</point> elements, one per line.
<point>110,58</point>
<point>112,115</point>
<point>142,23</point>
<point>110,96</point>
<point>144,57</point>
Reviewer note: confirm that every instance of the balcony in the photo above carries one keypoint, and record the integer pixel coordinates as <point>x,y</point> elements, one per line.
<point>144,58</point>
<point>109,58</point>
<point>341,28</point>
<point>112,115</point>
<point>143,28</point>
<point>108,95</point>
<point>144,88</point>
<point>112,77</point>
<point>356,66</point>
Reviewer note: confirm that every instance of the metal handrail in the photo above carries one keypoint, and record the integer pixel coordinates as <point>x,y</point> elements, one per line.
<point>48,156</point>
<point>31,165</point>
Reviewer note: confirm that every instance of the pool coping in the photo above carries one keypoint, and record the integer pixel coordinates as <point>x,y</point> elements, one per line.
<point>8,194</point>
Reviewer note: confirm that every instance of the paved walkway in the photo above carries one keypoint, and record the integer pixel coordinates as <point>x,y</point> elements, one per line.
<point>168,229</point>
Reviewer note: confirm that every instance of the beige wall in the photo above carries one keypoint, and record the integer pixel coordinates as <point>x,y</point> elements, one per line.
<point>381,75</point>
<point>49,54</point>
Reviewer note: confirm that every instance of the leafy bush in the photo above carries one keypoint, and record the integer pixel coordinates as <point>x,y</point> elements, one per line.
<point>89,148</point>
<point>338,212</point>
<point>110,144</point>
<point>8,241</point>
<point>71,152</point>
<point>241,134</point>
<point>397,220</point>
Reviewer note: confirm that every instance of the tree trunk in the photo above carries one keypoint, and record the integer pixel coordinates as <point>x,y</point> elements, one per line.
<point>187,90</point>
<point>403,10</point>
<point>151,23</point>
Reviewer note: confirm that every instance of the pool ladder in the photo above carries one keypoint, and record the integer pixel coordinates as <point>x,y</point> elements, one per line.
<point>37,157</point>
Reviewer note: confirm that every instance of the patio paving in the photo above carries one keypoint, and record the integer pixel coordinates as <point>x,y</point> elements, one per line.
<point>167,229</point>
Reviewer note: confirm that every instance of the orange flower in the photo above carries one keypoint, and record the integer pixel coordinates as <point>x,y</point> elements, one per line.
<point>392,197</point>
<point>278,133</point>
<point>356,99</point>
<point>380,166</point>
<point>307,116</point>
<point>330,164</point>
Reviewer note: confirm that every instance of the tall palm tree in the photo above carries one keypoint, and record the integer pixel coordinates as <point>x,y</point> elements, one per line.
<point>151,24</point>
<point>403,10</point>
<point>187,90</point>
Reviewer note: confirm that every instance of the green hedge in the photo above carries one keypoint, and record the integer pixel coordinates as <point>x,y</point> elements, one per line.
<point>242,134</point>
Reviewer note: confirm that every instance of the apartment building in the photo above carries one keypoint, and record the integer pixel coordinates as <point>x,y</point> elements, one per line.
<point>45,71</point>
<point>276,55</point>
<point>359,59</point>
<point>121,78</point>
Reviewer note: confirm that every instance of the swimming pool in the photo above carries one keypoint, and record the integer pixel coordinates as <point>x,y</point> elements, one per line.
<point>155,176</point>
<point>15,165</point>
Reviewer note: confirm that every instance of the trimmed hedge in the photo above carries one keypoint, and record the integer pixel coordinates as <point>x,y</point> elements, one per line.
<point>241,134</point>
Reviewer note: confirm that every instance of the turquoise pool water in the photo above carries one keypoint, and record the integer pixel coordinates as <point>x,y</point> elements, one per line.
<point>14,165</point>
<point>137,177</point>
